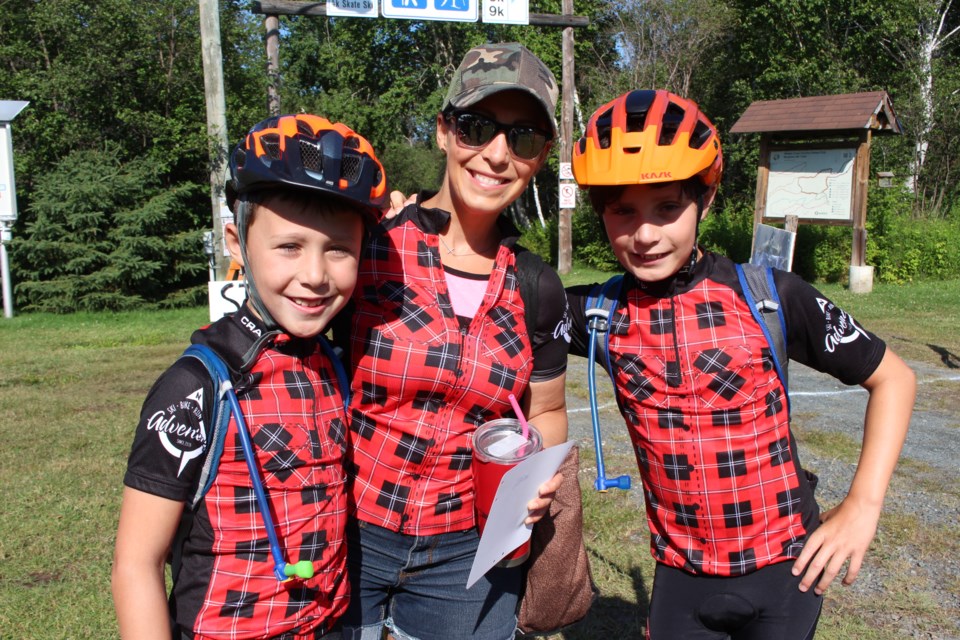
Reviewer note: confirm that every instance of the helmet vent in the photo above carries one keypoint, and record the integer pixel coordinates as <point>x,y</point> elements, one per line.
<point>311,156</point>
<point>271,145</point>
<point>304,129</point>
<point>350,168</point>
<point>604,124</point>
<point>239,158</point>
<point>351,143</point>
<point>672,118</point>
<point>701,133</point>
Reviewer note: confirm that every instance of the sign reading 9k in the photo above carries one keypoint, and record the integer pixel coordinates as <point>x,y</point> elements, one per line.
<point>455,10</point>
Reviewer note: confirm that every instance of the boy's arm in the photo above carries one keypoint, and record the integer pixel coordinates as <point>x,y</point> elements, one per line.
<point>846,530</point>
<point>545,404</point>
<point>148,524</point>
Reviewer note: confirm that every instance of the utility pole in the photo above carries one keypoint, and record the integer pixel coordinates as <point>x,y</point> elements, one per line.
<point>216,126</point>
<point>272,25</point>
<point>565,216</point>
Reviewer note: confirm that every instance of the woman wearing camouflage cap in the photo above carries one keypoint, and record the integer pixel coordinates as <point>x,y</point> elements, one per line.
<point>439,341</point>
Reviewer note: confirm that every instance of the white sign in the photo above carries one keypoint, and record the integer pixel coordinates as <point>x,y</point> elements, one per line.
<point>773,247</point>
<point>812,184</point>
<point>8,194</point>
<point>568,195</point>
<point>352,8</point>
<point>505,530</point>
<point>506,11</point>
<point>453,10</point>
<point>225,296</point>
<point>566,171</point>
<point>226,217</point>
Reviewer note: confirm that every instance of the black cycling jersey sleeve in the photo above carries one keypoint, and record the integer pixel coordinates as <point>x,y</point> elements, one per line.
<point>823,336</point>
<point>171,436</point>
<point>550,341</point>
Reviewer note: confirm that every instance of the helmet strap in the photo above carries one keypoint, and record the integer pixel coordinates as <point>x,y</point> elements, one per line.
<point>245,209</point>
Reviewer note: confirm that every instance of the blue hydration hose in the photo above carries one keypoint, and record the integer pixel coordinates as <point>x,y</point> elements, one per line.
<point>603,482</point>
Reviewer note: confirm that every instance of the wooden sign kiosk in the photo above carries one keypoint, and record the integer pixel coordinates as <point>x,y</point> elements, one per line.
<point>814,163</point>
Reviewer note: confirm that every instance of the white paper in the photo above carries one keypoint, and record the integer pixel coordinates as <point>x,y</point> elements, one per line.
<point>505,530</point>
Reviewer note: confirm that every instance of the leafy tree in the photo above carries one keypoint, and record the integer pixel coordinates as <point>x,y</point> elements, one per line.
<point>108,235</point>
<point>122,78</point>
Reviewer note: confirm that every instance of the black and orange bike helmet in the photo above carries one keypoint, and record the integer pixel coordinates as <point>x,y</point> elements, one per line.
<point>308,152</point>
<point>647,136</point>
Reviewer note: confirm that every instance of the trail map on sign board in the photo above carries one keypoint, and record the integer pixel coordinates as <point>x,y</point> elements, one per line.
<point>810,184</point>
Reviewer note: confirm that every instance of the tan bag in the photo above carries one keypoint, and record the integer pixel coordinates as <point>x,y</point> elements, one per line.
<point>559,587</point>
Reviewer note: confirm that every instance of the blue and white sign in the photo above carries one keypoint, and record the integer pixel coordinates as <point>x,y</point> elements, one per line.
<point>506,11</point>
<point>353,8</point>
<point>451,10</point>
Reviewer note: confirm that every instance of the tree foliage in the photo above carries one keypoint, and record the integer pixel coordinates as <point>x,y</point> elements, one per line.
<point>117,100</point>
<point>106,235</point>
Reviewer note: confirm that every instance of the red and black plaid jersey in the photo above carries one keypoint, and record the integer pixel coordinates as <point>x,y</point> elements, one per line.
<point>708,417</point>
<point>421,385</point>
<point>294,412</point>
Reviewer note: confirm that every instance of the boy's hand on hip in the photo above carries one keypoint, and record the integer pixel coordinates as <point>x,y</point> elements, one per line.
<point>845,534</point>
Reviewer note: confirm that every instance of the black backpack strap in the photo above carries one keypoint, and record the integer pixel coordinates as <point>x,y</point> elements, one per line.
<point>529,266</point>
<point>761,295</point>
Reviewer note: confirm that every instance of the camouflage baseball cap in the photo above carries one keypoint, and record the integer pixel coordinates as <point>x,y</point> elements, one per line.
<point>490,68</point>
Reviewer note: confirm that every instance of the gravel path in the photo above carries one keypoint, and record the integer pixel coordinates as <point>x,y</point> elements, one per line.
<point>930,459</point>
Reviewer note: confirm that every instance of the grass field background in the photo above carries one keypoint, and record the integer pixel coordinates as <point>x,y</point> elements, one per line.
<point>70,393</point>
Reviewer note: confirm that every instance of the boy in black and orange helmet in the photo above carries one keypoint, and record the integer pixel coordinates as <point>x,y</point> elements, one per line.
<point>303,190</point>
<point>741,548</point>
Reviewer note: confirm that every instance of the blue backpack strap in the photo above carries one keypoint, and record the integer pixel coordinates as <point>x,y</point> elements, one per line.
<point>220,417</point>
<point>601,304</point>
<point>761,294</point>
<point>338,369</point>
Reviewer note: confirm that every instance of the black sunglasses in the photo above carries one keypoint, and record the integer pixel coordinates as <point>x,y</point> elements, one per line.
<point>475,132</point>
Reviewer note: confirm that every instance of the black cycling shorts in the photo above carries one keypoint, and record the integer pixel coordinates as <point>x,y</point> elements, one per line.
<point>761,605</point>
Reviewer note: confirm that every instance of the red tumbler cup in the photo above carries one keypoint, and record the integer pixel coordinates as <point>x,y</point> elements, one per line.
<point>498,446</point>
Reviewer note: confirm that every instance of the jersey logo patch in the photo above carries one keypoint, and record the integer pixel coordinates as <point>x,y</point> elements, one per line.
<point>839,327</point>
<point>179,438</point>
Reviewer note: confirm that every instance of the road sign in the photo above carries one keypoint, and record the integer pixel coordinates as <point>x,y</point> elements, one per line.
<point>568,195</point>
<point>452,10</point>
<point>352,8</point>
<point>506,11</point>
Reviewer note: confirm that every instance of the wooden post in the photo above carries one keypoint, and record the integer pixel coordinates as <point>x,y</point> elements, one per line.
<point>565,216</point>
<point>272,25</point>
<point>763,173</point>
<point>791,223</point>
<point>216,122</point>
<point>858,203</point>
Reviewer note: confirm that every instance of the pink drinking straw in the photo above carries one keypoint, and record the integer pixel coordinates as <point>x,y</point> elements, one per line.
<point>523,421</point>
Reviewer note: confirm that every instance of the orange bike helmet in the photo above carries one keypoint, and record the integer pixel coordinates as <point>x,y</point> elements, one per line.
<point>647,136</point>
<point>308,152</point>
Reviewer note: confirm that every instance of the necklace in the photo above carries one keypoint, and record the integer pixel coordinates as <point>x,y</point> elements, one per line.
<point>452,252</point>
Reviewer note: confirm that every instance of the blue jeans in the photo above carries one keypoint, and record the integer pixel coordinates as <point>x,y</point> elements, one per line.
<point>415,586</point>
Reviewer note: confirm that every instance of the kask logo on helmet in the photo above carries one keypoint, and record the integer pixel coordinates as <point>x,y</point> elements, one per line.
<point>656,175</point>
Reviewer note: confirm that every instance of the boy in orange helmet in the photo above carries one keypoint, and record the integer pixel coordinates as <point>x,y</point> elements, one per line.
<point>742,550</point>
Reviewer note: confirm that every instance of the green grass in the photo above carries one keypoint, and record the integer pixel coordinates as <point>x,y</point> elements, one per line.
<point>70,394</point>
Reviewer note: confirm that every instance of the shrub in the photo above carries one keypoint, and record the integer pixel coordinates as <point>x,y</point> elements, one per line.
<point>106,235</point>
<point>903,247</point>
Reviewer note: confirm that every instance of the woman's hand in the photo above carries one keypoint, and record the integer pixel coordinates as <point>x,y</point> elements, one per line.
<point>397,202</point>
<point>538,507</point>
